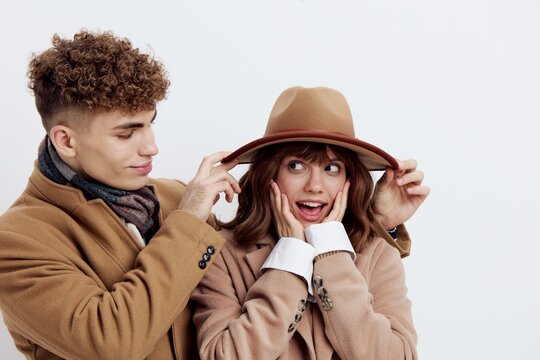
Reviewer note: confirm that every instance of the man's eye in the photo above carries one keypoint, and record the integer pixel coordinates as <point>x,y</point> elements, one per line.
<point>126,136</point>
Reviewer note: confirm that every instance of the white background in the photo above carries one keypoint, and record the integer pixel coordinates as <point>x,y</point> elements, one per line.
<point>454,84</point>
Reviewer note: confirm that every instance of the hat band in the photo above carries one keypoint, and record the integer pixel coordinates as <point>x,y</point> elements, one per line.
<point>310,132</point>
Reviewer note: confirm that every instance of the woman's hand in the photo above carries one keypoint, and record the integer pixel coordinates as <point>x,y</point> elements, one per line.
<point>398,194</point>
<point>340,204</point>
<point>286,224</point>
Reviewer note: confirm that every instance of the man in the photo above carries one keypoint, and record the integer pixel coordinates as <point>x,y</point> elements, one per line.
<point>97,261</point>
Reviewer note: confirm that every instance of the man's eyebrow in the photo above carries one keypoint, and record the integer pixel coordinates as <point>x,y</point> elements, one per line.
<point>133,124</point>
<point>129,125</point>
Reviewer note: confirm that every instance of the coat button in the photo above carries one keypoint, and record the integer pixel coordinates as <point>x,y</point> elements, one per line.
<point>291,327</point>
<point>210,250</point>
<point>302,305</point>
<point>206,257</point>
<point>202,264</point>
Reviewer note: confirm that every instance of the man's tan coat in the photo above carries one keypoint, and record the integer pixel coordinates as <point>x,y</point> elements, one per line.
<point>75,283</point>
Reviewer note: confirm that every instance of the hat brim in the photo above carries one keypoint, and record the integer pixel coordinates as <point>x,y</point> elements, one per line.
<point>371,156</point>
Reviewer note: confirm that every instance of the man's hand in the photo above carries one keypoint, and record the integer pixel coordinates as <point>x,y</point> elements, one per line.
<point>202,192</point>
<point>398,194</point>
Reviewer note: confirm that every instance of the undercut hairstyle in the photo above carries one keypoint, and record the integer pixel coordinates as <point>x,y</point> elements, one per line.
<point>254,218</point>
<point>93,72</point>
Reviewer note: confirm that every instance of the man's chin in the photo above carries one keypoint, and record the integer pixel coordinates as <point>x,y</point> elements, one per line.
<point>133,185</point>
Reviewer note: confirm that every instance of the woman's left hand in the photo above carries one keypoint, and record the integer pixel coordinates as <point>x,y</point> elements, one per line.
<point>340,204</point>
<point>399,193</point>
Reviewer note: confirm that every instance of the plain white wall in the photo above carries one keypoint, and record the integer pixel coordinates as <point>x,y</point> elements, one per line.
<point>455,84</point>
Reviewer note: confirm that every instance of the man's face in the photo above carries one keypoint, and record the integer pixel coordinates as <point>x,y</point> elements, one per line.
<point>116,149</point>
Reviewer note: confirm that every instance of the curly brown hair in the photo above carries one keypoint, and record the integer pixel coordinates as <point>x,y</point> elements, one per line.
<point>94,72</point>
<point>254,218</point>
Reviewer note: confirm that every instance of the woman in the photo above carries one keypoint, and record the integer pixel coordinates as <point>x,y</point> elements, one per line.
<point>304,274</point>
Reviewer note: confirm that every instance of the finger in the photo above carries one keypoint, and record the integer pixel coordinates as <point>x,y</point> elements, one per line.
<point>418,190</point>
<point>415,177</point>
<point>225,166</point>
<point>286,209</point>
<point>272,195</point>
<point>222,187</point>
<point>386,178</point>
<point>222,176</point>
<point>344,199</point>
<point>208,162</point>
<point>407,165</point>
<point>340,204</point>
<point>334,213</point>
<point>279,220</point>
<point>276,195</point>
<point>229,192</point>
<point>275,201</point>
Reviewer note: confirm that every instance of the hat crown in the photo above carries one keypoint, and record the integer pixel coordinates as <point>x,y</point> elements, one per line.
<point>319,115</point>
<point>310,109</point>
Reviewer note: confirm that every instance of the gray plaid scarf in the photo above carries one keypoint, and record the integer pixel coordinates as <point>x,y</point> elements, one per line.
<point>139,207</point>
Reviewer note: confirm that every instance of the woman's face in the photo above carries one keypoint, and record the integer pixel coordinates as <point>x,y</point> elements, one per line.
<point>311,187</point>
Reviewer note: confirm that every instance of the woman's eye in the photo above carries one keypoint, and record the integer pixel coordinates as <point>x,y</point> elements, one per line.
<point>295,165</point>
<point>333,168</point>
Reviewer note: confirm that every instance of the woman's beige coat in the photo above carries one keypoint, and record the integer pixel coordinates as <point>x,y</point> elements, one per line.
<point>75,283</point>
<point>241,314</point>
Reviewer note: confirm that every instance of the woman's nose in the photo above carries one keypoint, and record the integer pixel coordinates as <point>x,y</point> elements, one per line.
<point>313,182</point>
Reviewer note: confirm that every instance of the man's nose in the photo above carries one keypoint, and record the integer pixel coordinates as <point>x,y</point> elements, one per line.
<point>148,146</point>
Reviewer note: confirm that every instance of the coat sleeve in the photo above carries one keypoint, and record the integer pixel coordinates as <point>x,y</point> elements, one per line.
<point>60,305</point>
<point>255,328</point>
<point>366,321</point>
<point>403,243</point>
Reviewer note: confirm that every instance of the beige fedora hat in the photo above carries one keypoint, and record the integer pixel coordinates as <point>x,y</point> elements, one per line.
<point>318,114</point>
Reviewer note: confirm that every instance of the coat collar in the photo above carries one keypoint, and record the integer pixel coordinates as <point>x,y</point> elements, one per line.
<point>256,259</point>
<point>253,254</point>
<point>88,213</point>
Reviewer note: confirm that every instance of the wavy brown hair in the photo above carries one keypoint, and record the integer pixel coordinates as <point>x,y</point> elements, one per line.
<point>254,217</point>
<point>94,72</point>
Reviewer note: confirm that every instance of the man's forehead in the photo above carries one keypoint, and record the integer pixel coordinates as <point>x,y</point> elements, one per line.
<point>117,119</point>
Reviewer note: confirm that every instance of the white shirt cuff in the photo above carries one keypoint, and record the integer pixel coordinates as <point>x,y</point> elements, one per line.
<point>329,236</point>
<point>292,255</point>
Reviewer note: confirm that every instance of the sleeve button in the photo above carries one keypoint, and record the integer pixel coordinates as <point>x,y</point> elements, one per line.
<point>291,327</point>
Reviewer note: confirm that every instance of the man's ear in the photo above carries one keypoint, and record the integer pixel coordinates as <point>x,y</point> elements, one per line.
<point>63,140</point>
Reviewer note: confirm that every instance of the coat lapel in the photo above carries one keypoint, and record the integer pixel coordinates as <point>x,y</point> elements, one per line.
<point>255,259</point>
